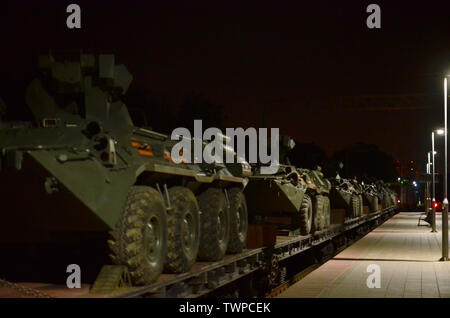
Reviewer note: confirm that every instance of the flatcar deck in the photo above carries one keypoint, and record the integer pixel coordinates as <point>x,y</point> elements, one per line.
<point>207,277</point>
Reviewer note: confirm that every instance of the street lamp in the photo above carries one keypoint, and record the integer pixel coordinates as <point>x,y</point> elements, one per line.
<point>428,196</point>
<point>433,201</point>
<point>445,202</point>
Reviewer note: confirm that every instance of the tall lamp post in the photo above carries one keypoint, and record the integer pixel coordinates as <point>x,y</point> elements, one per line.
<point>428,196</point>
<point>445,211</point>
<point>433,184</point>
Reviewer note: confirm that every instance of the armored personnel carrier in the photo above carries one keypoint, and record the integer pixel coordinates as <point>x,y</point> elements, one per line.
<point>370,196</point>
<point>386,196</point>
<point>393,196</point>
<point>82,166</point>
<point>292,197</point>
<point>281,196</point>
<point>344,195</point>
<point>318,189</point>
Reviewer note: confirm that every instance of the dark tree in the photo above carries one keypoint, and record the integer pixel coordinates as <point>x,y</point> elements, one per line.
<point>196,106</point>
<point>364,161</point>
<point>307,155</point>
<point>151,110</point>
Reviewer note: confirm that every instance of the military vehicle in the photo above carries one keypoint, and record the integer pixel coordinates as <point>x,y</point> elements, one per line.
<point>82,166</point>
<point>282,197</point>
<point>386,196</point>
<point>319,189</point>
<point>344,195</point>
<point>370,196</point>
<point>294,198</point>
<point>393,196</point>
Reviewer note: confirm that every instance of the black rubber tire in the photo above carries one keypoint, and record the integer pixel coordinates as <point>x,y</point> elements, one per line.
<point>380,201</point>
<point>393,200</point>
<point>385,201</point>
<point>361,205</point>
<point>373,204</point>
<point>318,213</point>
<point>327,212</point>
<point>214,234</point>
<point>303,220</point>
<point>354,206</point>
<point>144,210</point>
<point>183,230</point>
<point>238,221</point>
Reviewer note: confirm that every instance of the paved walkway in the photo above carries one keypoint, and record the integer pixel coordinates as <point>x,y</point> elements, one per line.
<point>408,258</point>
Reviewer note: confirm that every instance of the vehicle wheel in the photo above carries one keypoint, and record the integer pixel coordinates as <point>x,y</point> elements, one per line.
<point>327,212</point>
<point>140,236</point>
<point>374,204</point>
<point>385,203</point>
<point>354,208</point>
<point>380,202</point>
<point>238,221</point>
<point>318,213</point>
<point>183,230</point>
<point>303,220</point>
<point>214,225</point>
<point>361,205</point>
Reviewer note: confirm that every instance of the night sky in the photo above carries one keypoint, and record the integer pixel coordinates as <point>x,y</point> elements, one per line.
<point>261,54</point>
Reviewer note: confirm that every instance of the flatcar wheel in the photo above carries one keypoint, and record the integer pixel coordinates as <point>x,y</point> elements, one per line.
<point>140,236</point>
<point>214,225</point>
<point>238,221</point>
<point>183,230</point>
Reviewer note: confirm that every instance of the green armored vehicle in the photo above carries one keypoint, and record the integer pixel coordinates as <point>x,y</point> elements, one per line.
<point>319,190</point>
<point>281,196</point>
<point>393,197</point>
<point>292,197</point>
<point>82,166</point>
<point>370,196</point>
<point>344,195</point>
<point>386,196</point>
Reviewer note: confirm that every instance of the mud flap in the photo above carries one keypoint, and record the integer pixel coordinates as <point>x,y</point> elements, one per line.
<point>111,278</point>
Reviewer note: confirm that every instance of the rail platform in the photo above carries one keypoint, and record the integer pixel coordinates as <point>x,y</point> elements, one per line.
<point>408,259</point>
